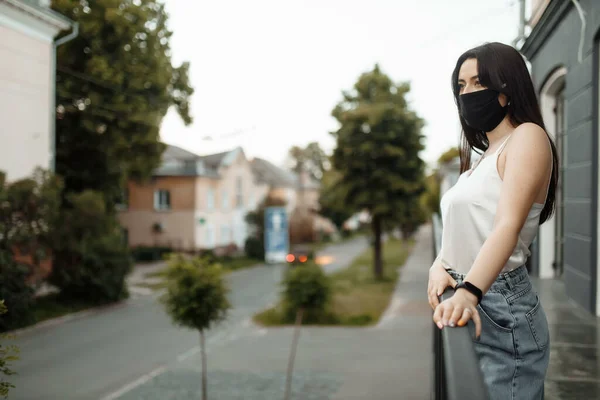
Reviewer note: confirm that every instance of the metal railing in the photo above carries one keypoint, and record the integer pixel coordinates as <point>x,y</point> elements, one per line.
<point>457,374</point>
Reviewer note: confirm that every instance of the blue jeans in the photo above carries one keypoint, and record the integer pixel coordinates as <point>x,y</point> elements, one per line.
<point>513,349</point>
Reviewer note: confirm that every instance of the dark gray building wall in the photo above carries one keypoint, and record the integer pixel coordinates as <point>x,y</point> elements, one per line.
<point>559,48</point>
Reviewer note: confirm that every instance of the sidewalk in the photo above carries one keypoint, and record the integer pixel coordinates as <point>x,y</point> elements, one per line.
<point>389,361</point>
<point>574,371</point>
<point>138,281</point>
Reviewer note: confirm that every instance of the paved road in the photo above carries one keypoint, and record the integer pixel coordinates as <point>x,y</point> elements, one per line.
<point>391,360</point>
<point>96,356</point>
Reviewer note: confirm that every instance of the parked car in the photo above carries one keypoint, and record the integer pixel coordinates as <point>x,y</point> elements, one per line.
<point>300,254</point>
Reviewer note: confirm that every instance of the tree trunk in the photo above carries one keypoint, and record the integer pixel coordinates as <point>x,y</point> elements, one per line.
<point>204,371</point>
<point>290,368</point>
<point>377,259</point>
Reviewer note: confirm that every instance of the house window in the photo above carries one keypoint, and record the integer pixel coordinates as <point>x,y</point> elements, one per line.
<point>162,200</point>
<point>239,194</point>
<point>225,200</point>
<point>225,235</point>
<point>210,236</point>
<point>210,199</point>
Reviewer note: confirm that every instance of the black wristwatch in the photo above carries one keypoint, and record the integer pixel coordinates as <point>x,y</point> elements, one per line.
<point>468,286</point>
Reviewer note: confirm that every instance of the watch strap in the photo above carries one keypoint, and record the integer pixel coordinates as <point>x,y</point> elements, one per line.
<point>468,286</point>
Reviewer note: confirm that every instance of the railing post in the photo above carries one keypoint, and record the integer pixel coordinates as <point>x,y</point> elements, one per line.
<point>439,384</point>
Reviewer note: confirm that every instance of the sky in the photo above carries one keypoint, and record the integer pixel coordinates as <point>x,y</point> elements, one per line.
<point>267,73</point>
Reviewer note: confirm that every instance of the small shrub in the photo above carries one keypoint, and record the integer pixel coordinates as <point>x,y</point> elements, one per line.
<point>307,287</point>
<point>17,294</point>
<point>8,354</point>
<point>143,254</point>
<point>254,248</point>
<point>28,210</point>
<point>91,259</point>
<point>209,256</point>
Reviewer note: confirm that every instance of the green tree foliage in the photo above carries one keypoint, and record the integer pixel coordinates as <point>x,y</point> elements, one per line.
<point>311,159</point>
<point>91,257</point>
<point>8,354</point>
<point>430,200</point>
<point>413,215</point>
<point>306,287</point>
<point>449,155</point>
<point>28,216</point>
<point>332,199</point>
<point>196,298</point>
<point>377,153</point>
<point>115,83</point>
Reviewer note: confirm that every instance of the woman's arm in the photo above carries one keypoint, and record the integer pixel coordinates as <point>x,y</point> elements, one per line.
<point>525,173</point>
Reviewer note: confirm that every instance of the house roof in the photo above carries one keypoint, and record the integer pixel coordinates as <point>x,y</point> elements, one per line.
<point>178,153</point>
<point>215,160</point>
<point>269,173</point>
<point>272,175</point>
<point>177,161</point>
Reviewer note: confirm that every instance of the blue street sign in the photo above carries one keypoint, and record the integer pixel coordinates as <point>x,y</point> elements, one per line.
<point>276,234</point>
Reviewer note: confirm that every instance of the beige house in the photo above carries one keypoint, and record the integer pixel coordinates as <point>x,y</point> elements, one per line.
<point>27,46</point>
<point>193,202</point>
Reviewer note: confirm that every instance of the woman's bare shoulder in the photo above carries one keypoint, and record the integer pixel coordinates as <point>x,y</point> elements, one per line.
<point>530,140</point>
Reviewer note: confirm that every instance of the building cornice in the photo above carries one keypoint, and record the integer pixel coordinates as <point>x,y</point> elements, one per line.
<point>42,14</point>
<point>553,14</point>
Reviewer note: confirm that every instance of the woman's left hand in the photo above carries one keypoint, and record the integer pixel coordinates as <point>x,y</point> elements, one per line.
<point>457,311</point>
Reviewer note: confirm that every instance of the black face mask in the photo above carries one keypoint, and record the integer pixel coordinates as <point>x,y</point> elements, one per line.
<point>481,110</point>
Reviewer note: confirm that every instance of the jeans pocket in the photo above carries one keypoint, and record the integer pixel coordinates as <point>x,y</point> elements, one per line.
<point>495,309</point>
<point>491,321</point>
<point>538,324</point>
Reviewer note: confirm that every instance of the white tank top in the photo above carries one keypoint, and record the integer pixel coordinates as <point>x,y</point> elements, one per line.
<point>468,212</point>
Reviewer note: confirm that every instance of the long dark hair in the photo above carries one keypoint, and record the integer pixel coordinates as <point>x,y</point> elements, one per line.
<point>502,68</point>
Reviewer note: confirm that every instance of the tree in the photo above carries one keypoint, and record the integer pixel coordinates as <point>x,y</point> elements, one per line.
<point>196,298</point>
<point>412,216</point>
<point>8,354</point>
<point>449,155</point>
<point>332,199</point>
<point>115,83</point>
<point>307,289</point>
<point>377,154</point>
<point>311,159</point>
<point>28,216</point>
<point>430,199</point>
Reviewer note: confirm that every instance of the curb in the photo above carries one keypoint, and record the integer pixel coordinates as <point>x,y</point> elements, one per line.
<point>66,318</point>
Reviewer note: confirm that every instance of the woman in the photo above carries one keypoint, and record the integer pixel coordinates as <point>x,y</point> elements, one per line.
<point>491,216</point>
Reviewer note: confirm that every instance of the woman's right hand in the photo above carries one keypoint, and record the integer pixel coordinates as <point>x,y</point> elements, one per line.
<point>439,280</point>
